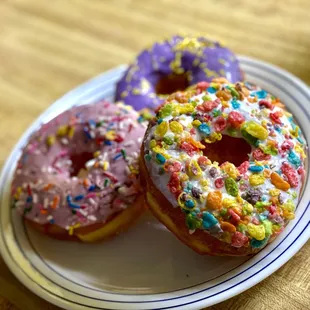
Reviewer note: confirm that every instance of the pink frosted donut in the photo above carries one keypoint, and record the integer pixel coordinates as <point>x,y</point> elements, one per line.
<point>77,177</point>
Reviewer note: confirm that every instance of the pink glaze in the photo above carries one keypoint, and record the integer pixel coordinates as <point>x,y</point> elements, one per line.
<point>44,190</point>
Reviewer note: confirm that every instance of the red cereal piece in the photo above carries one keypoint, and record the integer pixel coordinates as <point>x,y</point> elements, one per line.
<point>219,182</point>
<point>188,148</point>
<point>275,117</point>
<point>173,166</point>
<point>202,86</point>
<point>272,209</point>
<point>234,215</point>
<point>203,162</point>
<point>290,173</point>
<point>220,124</point>
<point>192,131</point>
<point>239,239</point>
<point>266,104</point>
<point>258,154</point>
<point>235,119</point>
<point>208,106</point>
<point>243,168</point>
<point>287,145</point>
<point>174,184</point>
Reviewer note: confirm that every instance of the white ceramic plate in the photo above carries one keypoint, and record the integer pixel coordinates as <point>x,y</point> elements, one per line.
<point>146,268</point>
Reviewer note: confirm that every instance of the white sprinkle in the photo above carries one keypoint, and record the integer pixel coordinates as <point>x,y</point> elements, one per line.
<point>64,141</point>
<point>18,171</point>
<point>19,203</point>
<point>50,217</point>
<point>135,155</point>
<point>104,156</point>
<point>90,163</point>
<point>24,186</point>
<point>83,212</point>
<point>127,170</point>
<point>43,169</point>
<point>139,140</point>
<point>191,231</point>
<point>92,218</point>
<point>49,169</point>
<point>45,203</point>
<point>35,198</point>
<point>128,143</point>
<point>92,201</point>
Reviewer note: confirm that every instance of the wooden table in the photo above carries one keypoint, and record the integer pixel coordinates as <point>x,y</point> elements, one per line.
<point>48,47</point>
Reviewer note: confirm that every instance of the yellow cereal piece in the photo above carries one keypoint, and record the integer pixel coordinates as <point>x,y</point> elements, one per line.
<point>248,208</point>
<point>196,123</point>
<point>295,132</point>
<point>160,150</point>
<point>231,170</point>
<point>176,127</point>
<point>274,192</point>
<point>62,130</point>
<point>225,104</point>
<point>256,179</point>
<point>213,137</point>
<point>194,170</point>
<point>256,231</point>
<point>50,140</point>
<point>256,130</point>
<point>300,150</point>
<point>204,182</point>
<point>289,206</point>
<point>214,200</point>
<point>229,203</point>
<point>162,129</point>
<point>185,108</point>
<point>183,177</point>
<point>288,215</point>
<point>153,143</point>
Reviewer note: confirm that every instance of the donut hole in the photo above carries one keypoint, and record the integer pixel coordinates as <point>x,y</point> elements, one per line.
<point>78,162</point>
<point>168,84</point>
<point>233,150</point>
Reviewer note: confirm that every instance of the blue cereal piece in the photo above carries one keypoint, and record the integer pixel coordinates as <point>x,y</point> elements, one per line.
<point>205,129</point>
<point>235,104</point>
<point>208,220</point>
<point>294,159</point>
<point>211,90</point>
<point>160,158</point>
<point>256,168</point>
<point>189,204</point>
<point>261,94</point>
<point>256,244</point>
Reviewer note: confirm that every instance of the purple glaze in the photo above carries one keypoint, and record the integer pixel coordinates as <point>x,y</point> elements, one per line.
<point>110,130</point>
<point>200,58</point>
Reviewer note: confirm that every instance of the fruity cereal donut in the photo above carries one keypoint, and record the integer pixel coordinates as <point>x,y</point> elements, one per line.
<point>172,65</point>
<point>224,167</point>
<point>77,178</point>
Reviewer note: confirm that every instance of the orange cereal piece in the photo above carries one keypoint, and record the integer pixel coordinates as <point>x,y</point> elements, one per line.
<point>278,182</point>
<point>214,200</point>
<point>226,226</point>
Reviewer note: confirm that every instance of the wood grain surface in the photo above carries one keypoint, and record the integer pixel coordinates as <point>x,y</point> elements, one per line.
<point>48,47</point>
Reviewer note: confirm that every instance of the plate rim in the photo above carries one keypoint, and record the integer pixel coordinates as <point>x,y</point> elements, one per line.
<point>16,269</point>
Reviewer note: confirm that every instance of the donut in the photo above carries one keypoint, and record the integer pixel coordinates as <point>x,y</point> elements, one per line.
<point>173,65</point>
<point>224,167</point>
<point>78,176</point>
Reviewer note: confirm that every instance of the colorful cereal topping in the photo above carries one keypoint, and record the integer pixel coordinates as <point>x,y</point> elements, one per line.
<point>242,204</point>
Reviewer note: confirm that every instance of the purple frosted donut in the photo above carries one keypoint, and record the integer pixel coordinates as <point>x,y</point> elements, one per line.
<point>172,65</point>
